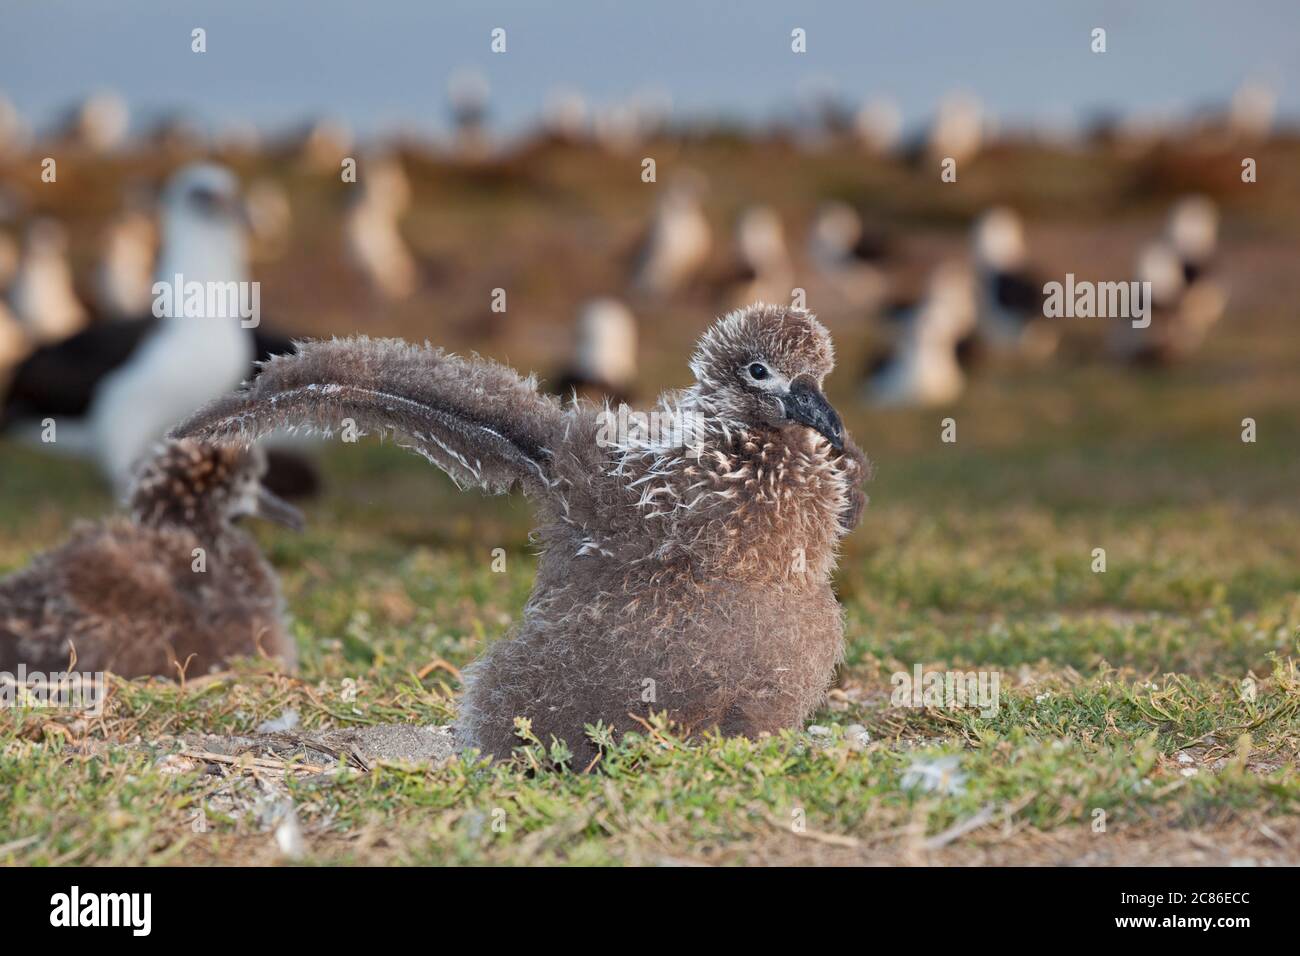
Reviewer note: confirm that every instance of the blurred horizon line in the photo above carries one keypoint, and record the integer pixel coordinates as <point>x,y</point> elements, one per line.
<point>386,69</point>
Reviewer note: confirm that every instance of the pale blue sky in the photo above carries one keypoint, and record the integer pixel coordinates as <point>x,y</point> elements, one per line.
<point>379,64</point>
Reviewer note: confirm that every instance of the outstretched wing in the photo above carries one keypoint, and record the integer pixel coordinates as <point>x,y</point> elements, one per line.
<point>479,421</point>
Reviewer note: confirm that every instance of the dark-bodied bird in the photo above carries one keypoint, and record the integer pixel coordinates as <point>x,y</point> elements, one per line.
<point>1193,232</point>
<point>1011,315</point>
<point>1181,313</point>
<point>175,586</point>
<point>852,258</point>
<point>1187,296</point>
<point>115,388</point>
<point>687,554</point>
<point>923,367</point>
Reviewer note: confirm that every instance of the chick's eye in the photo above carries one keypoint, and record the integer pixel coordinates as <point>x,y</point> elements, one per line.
<point>758,371</point>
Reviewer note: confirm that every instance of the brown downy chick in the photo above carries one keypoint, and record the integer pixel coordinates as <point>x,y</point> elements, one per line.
<point>687,554</point>
<point>174,585</point>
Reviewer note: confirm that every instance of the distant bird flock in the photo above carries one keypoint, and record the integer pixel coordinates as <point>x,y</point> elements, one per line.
<point>929,340</point>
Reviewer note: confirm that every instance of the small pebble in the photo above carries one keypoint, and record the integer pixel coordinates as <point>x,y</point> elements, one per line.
<point>856,736</point>
<point>288,837</point>
<point>285,722</point>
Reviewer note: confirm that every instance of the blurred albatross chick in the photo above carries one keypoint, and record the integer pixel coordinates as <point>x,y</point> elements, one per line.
<point>697,556</point>
<point>173,587</point>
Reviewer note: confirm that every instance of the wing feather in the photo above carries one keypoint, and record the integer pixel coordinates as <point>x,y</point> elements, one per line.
<point>481,422</point>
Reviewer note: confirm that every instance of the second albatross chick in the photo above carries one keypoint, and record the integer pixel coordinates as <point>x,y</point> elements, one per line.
<point>685,568</point>
<point>175,585</point>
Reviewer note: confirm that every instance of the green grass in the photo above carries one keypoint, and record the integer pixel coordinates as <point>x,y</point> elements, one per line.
<point>1106,680</point>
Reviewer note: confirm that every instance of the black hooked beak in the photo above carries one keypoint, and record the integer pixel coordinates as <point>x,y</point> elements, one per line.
<point>805,404</point>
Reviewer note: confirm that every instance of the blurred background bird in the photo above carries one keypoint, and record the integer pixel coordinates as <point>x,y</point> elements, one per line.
<point>467,98</point>
<point>114,388</point>
<point>603,363</point>
<point>99,123</point>
<point>923,367</point>
<point>851,259</point>
<point>760,269</point>
<point>44,296</point>
<point>374,239</point>
<point>677,242</point>
<point>124,279</point>
<point>1187,298</point>
<point>1010,293</point>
